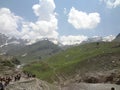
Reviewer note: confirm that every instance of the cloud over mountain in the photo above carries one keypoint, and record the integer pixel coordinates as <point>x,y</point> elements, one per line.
<point>44,22</point>
<point>44,27</point>
<point>82,20</point>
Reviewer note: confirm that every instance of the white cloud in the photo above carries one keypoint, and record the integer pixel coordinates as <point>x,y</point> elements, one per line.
<point>108,38</point>
<point>45,9</point>
<point>46,25</point>
<point>9,23</point>
<point>111,3</point>
<point>82,20</point>
<point>72,40</point>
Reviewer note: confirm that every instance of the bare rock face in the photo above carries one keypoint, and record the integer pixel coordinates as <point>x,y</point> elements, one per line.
<point>33,84</point>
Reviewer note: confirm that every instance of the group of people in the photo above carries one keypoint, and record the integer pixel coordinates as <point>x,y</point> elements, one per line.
<point>29,75</point>
<point>5,80</point>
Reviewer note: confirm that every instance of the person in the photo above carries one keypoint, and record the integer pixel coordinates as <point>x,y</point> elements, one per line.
<point>112,88</point>
<point>1,86</point>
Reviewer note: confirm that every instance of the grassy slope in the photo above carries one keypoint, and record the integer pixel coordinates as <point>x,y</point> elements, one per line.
<point>68,62</point>
<point>7,63</point>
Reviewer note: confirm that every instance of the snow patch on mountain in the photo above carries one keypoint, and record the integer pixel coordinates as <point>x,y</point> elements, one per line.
<point>108,38</point>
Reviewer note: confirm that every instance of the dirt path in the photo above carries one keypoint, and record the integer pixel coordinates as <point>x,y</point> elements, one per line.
<point>31,84</point>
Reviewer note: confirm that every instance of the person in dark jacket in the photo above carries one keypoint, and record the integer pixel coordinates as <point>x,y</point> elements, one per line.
<point>1,86</point>
<point>112,88</point>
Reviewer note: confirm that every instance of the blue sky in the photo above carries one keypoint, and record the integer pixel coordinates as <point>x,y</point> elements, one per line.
<point>59,19</point>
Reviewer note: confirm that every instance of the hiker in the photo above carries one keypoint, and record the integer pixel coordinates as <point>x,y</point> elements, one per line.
<point>33,76</point>
<point>112,88</point>
<point>6,82</point>
<point>1,86</point>
<point>17,77</point>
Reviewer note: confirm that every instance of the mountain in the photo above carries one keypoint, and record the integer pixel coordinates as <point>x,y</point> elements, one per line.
<point>117,39</point>
<point>94,39</point>
<point>36,51</point>
<point>78,61</point>
<point>24,52</point>
<point>10,43</point>
<point>100,39</point>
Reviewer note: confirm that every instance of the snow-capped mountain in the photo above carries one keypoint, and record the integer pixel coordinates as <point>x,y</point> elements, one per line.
<point>42,48</point>
<point>100,39</point>
<point>8,43</point>
<point>95,39</point>
<point>25,50</point>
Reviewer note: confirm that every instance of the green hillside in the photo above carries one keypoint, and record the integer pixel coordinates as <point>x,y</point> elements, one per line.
<point>80,59</point>
<point>8,64</point>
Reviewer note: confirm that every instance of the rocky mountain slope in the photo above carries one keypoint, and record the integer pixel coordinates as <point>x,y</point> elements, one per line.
<point>10,43</point>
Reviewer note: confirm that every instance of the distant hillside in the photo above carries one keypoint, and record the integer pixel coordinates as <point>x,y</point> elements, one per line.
<point>24,52</point>
<point>91,57</point>
<point>117,39</point>
<point>36,51</point>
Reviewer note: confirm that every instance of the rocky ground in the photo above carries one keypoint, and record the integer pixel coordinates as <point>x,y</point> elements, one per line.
<point>86,86</point>
<point>31,84</point>
<point>35,84</point>
<point>91,81</point>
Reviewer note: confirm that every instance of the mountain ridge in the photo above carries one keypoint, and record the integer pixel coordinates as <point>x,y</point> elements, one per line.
<point>22,50</point>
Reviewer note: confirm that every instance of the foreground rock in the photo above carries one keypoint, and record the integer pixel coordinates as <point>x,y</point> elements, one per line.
<point>33,84</point>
